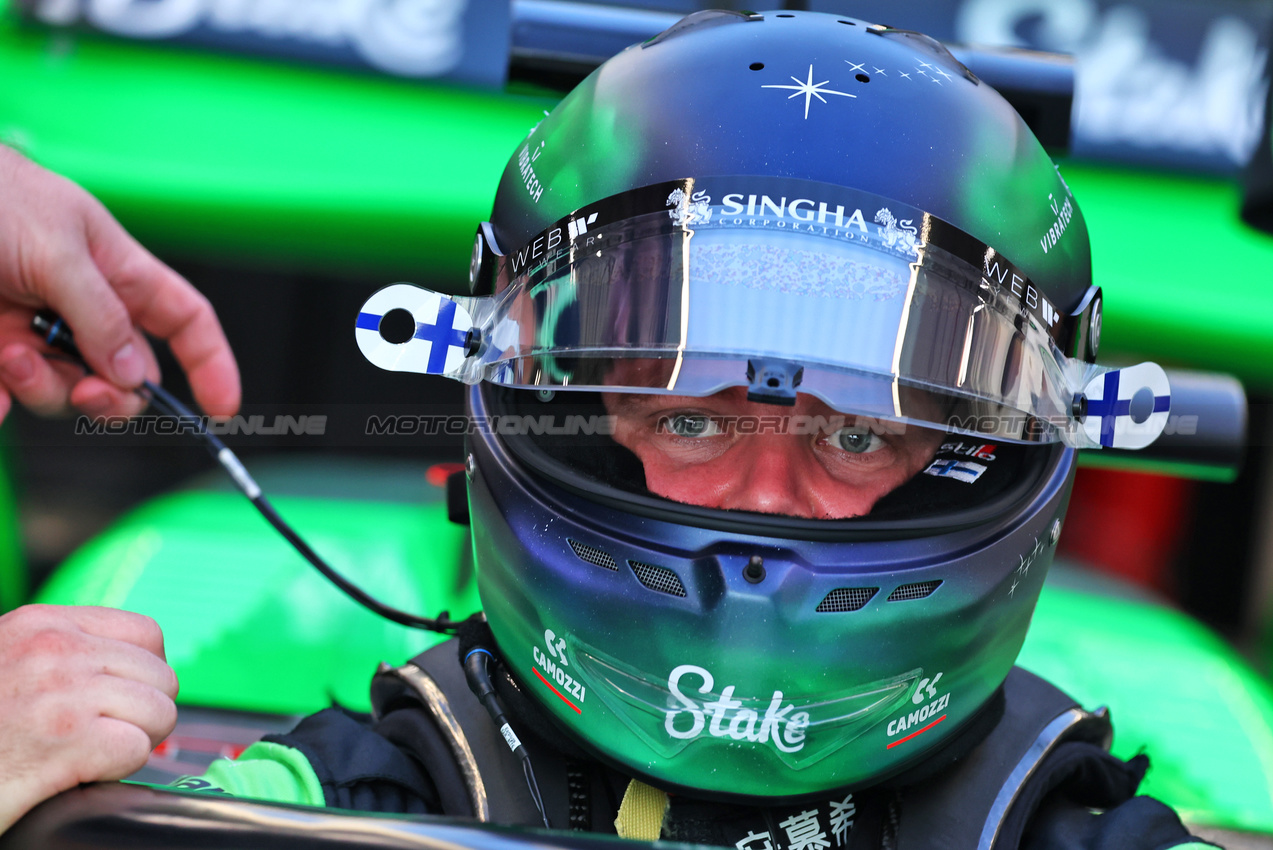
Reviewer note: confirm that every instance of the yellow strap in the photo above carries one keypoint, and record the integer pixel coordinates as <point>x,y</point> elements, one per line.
<point>641,812</point>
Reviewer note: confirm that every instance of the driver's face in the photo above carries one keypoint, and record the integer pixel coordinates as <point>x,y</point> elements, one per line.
<point>695,451</point>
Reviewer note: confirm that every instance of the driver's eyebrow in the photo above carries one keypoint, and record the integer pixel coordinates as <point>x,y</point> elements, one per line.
<point>633,404</point>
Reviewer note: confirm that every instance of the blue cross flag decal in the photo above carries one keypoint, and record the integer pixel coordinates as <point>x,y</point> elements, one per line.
<point>437,345</point>
<point>960,470</point>
<point>1127,408</point>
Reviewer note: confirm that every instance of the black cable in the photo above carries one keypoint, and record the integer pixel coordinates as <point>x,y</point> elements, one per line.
<point>55,332</point>
<point>479,679</point>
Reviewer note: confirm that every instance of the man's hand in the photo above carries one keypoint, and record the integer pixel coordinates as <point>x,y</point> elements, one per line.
<point>85,694</point>
<point>60,248</point>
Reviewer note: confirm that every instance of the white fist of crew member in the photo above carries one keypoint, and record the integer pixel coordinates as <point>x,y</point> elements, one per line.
<point>85,695</point>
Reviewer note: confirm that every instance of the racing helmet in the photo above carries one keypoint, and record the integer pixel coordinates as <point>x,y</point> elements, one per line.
<point>781,341</point>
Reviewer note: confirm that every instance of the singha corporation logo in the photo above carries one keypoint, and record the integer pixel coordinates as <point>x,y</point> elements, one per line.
<point>900,238</point>
<point>687,210</point>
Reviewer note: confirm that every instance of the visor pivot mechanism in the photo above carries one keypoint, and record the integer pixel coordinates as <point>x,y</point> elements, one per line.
<point>773,381</point>
<point>472,342</point>
<point>1078,409</point>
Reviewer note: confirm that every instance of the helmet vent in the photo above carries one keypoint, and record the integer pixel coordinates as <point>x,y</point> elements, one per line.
<point>919,590</point>
<point>658,578</point>
<point>592,555</point>
<point>846,599</point>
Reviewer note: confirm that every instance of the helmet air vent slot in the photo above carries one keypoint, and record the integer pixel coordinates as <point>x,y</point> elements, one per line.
<point>918,590</point>
<point>593,555</point>
<point>660,579</point>
<point>844,599</point>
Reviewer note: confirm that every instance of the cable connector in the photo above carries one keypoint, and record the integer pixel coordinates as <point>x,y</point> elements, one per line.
<point>477,673</point>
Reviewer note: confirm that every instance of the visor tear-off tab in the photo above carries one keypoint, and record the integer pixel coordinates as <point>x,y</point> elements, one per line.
<point>1126,408</point>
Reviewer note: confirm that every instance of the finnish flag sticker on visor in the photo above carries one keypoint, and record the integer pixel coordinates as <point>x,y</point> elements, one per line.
<point>1127,408</point>
<point>436,333</point>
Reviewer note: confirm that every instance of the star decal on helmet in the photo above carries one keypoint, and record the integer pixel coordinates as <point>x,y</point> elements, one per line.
<point>860,67</point>
<point>922,71</point>
<point>809,89</point>
<point>929,72</point>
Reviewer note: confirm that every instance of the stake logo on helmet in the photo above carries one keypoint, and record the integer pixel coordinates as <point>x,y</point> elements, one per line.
<point>726,717</point>
<point>856,234</point>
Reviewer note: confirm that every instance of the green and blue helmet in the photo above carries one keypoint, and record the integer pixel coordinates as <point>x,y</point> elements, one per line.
<point>783,332</point>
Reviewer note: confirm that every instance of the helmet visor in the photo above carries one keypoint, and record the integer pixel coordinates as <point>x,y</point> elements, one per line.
<point>875,308</point>
<point>815,287</point>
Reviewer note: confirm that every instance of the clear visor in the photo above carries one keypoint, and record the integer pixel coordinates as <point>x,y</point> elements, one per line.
<point>861,309</point>
<point>639,309</point>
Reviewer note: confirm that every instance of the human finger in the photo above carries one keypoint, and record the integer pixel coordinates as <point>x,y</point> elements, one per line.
<point>124,660</point>
<point>97,397</point>
<point>147,708</point>
<point>113,749</point>
<point>32,380</point>
<point>113,623</point>
<point>167,306</point>
<point>76,289</point>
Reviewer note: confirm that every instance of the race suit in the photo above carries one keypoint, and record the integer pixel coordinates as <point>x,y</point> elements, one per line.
<point>1016,781</point>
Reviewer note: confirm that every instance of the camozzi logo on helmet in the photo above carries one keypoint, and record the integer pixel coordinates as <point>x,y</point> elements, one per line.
<point>725,717</point>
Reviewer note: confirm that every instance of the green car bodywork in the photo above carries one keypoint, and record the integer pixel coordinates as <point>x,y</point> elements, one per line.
<point>250,626</point>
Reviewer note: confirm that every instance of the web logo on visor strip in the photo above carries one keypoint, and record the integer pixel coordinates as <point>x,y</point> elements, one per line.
<point>844,599</point>
<point>658,578</point>
<point>593,555</point>
<point>918,590</point>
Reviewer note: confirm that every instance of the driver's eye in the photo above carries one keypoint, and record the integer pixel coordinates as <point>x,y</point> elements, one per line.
<point>691,425</point>
<point>856,439</point>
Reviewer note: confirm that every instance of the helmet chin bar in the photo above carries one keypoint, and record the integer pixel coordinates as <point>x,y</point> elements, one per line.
<point>1125,408</point>
<point>823,674</point>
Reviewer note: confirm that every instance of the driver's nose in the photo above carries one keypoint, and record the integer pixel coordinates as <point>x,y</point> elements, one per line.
<point>772,477</point>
